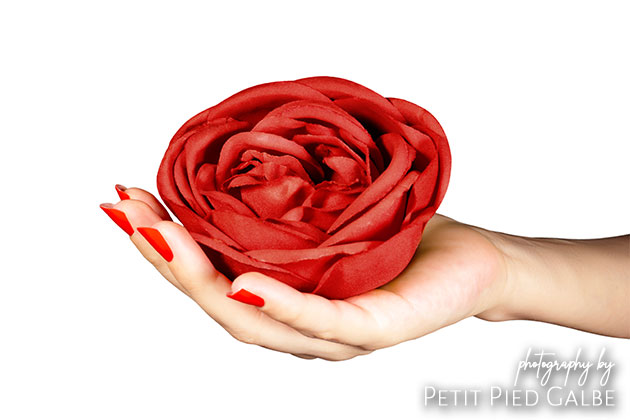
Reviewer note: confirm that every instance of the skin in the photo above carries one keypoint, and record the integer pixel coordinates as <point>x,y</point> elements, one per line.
<point>458,271</point>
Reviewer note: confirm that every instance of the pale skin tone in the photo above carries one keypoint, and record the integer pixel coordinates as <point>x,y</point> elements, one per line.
<point>457,272</point>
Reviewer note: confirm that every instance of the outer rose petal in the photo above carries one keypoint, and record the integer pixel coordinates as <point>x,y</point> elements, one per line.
<point>366,271</point>
<point>309,263</point>
<point>423,119</point>
<point>233,263</point>
<point>336,88</point>
<point>253,233</point>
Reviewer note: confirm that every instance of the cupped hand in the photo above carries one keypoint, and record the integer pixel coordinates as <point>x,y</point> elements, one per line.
<point>456,272</point>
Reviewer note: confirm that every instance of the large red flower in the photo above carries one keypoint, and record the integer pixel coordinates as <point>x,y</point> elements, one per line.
<point>320,183</point>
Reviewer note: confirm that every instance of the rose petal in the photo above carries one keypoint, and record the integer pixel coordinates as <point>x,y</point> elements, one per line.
<point>183,186</point>
<point>225,202</point>
<point>320,218</point>
<point>311,142</point>
<point>262,171</point>
<point>329,113</point>
<point>274,198</point>
<point>262,141</point>
<point>422,193</point>
<point>253,233</point>
<point>204,146</point>
<point>309,263</point>
<point>197,225</point>
<point>239,263</point>
<point>289,162</point>
<point>422,119</point>
<point>336,88</point>
<point>245,104</point>
<point>401,158</point>
<point>382,124</point>
<point>205,177</point>
<point>278,125</point>
<point>299,228</point>
<point>345,170</point>
<point>381,221</point>
<point>287,256</point>
<point>319,130</point>
<point>174,200</point>
<point>241,180</point>
<point>329,199</point>
<point>363,272</point>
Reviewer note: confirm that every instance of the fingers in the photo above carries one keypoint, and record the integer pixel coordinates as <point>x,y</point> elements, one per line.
<point>180,259</point>
<point>139,194</point>
<point>196,274</point>
<point>277,336</point>
<point>130,214</point>
<point>316,316</point>
<point>187,261</point>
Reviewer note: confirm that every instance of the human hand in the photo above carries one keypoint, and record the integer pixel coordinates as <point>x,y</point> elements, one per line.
<point>456,272</point>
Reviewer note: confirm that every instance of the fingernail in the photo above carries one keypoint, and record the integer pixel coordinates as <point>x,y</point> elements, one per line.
<point>247,297</point>
<point>120,189</point>
<point>157,241</point>
<point>118,217</point>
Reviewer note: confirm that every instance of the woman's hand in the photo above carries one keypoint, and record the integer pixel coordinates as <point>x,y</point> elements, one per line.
<point>458,271</point>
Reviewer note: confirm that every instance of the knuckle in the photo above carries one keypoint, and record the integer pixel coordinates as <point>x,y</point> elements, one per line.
<point>133,207</point>
<point>166,226</point>
<point>293,317</point>
<point>327,335</point>
<point>247,337</point>
<point>251,332</point>
<point>192,285</point>
<point>155,259</point>
<point>377,340</point>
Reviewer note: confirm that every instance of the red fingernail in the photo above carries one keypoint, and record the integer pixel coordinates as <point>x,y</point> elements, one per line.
<point>247,297</point>
<point>118,217</point>
<point>120,189</point>
<point>155,238</point>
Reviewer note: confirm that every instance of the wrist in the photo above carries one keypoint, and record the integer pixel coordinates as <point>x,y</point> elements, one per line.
<point>511,259</point>
<point>527,280</point>
<point>583,284</point>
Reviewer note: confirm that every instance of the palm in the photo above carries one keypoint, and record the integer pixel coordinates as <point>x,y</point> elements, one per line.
<point>453,275</point>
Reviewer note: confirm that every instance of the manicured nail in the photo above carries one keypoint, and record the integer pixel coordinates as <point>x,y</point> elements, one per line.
<point>120,189</point>
<point>118,217</point>
<point>157,241</point>
<point>247,297</point>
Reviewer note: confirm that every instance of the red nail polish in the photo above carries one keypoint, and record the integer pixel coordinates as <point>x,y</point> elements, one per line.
<point>120,189</point>
<point>157,241</point>
<point>247,297</point>
<point>118,217</point>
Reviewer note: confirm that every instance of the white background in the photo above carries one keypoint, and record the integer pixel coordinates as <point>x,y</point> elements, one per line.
<point>534,99</point>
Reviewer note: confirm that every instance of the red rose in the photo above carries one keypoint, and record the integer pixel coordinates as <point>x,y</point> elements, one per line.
<point>320,183</point>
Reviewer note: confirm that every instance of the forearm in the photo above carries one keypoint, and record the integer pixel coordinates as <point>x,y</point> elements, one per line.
<point>583,284</point>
